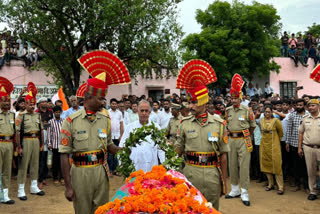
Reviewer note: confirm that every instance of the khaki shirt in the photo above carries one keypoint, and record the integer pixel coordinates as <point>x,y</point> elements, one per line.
<point>310,127</point>
<point>172,128</point>
<point>192,137</point>
<point>32,122</point>
<point>240,118</point>
<point>6,123</point>
<point>78,134</point>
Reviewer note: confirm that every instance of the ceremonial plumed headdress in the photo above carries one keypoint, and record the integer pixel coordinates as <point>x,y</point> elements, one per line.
<point>194,76</point>
<point>315,74</point>
<point>236,86</point>
<point>106,69</point>
<point>32,93</point>
<point>81,90</point>
<point>6,87</point>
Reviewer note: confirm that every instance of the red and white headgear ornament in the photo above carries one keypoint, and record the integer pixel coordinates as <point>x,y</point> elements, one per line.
<point>6,87</point>
<point>106,69</point>
<point>194,76</point>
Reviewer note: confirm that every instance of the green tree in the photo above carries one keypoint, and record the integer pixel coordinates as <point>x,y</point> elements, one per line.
<point>314,29</point>
<point>235,38</point>
<point>143,33</point>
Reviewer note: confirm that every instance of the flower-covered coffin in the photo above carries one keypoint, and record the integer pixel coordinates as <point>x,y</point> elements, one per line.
<point>157,191</point>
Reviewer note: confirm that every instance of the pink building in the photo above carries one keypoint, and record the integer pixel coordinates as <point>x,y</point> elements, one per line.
<point>20,76</point>
<point>283,83</point>
<point>289,77</point>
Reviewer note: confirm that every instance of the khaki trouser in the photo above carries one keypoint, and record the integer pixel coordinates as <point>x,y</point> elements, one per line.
<point>279,180</point>
<point>312,157</point>
<point>6,153</point>
<point>31,150</point>
<point>207,181</point>
<point>91,187</point>
<point>239,159</point>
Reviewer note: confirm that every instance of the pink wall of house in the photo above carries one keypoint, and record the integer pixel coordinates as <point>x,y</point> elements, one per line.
<point>20,76</point>
<point>290,73</point>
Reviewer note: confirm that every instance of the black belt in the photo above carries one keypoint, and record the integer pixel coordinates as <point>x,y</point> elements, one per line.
<point>313,146</point>
<point>6,137</point>
<point>236,134</point>
<point>31,134</point>
<point>85,158</point>
<point>201,159</point>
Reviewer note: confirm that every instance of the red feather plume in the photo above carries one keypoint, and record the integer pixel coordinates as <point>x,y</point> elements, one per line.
<point>315,74</point>
<point>81,90</point>
<point>32,87</point>
<point>101,61</point>
<point>195,73</point>
<point>237,83</point>
<point>8,86</point>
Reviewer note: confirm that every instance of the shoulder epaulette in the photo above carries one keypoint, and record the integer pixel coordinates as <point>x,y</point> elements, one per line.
<point>186,118</point>
<point>219,119</point>
<point>245,107</point>
<point>73,116</point>
<point>305,116</point>
<point>230,107</point>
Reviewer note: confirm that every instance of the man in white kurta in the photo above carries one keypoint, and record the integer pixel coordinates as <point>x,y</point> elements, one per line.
<point>146,155</point>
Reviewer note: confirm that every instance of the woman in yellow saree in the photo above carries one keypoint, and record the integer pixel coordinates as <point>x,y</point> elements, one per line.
<point>270,149</point>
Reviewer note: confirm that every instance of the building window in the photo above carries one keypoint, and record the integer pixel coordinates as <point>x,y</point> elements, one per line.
<point>288,89</point>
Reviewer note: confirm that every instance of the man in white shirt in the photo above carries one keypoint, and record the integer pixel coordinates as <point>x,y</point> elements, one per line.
<point>258,90</point>
<point>131,116</point>
<point>116,132</point>
<point>154,116</point>
<point>165,115</point>
<point>146,155</point>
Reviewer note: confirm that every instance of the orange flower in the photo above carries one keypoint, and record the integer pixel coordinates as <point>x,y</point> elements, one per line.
<point>151,208</point>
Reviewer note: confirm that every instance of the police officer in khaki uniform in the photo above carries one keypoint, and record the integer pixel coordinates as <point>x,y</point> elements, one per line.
<point>7,131</point>
<point>86,135</point>
<point>241,124</point>
<point>29,148</point>
<point>309,144</point>
<point>202,137</point>
<point>174,122</point>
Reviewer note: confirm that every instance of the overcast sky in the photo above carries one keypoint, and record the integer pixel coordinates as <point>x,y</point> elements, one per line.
<point>295,15</point>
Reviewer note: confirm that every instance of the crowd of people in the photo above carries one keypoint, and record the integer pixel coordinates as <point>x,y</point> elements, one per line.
<point>284,115</point>
<point>12,48</point>
<point>237,132</point>
<point>301,48</point>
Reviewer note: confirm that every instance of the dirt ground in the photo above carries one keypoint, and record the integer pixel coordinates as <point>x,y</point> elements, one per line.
<point>262,202</point>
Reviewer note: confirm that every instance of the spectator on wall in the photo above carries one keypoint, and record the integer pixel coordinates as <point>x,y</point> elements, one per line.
<point>300,41</point>
<point>308,41</point>
<point>313,54</point>
<point>284,44</point>
<point>293,55</point>
<point>293,41</point>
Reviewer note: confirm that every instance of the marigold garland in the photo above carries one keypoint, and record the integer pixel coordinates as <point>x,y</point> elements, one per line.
<point>172,161</point>
<point>157,192</point>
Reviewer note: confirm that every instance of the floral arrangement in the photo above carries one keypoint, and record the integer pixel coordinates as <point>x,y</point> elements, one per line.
<point>157,191</point>
<point>172,161</point>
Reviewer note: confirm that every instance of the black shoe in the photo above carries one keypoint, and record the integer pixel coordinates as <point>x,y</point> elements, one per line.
<point>312,197</point>
<point>229,196</point>
<point>41,193</point>
<point>247,203</point>
<point>9,202</point>
<point>23,198</point>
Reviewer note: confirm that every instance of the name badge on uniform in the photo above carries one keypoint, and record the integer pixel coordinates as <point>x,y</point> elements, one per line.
<point>103,133</point>
<point>212,138</point>
<point>191,131</point>
<point>241,117</point>
<point>11,121</point>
